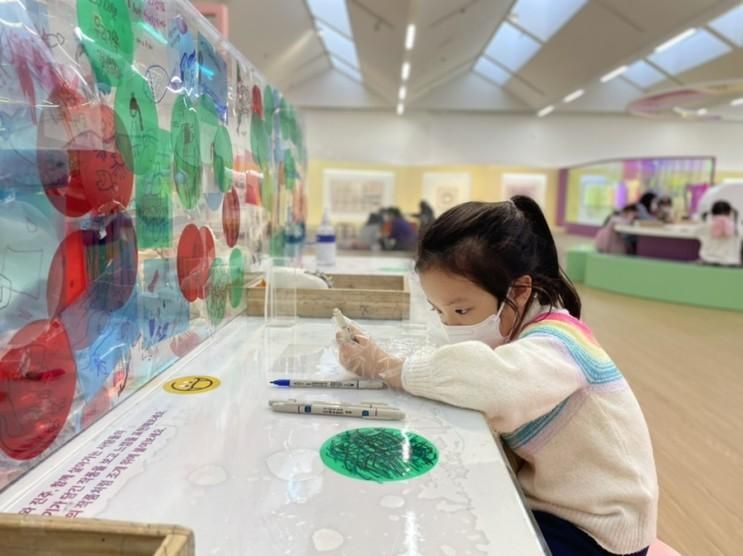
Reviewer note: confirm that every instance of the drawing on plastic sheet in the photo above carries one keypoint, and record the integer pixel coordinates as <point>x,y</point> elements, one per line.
<point>143,163</point>
<point>379,454</point>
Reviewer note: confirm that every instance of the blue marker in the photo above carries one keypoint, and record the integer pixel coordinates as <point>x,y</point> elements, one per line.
<point>351,384</point>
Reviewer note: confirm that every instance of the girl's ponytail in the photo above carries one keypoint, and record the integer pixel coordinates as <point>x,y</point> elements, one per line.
<point>548,267</point>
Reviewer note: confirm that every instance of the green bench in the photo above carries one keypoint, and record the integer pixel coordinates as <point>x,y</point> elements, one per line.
<point>674,282</point>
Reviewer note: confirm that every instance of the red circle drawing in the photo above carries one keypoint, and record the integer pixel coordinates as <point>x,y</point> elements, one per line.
<point>192,274</point>
<point>231,217</point>
<point>37,385</point>
<point>210,253</point>
<point>77,158</point>
<point>257,101</point>
<point>98,265</point>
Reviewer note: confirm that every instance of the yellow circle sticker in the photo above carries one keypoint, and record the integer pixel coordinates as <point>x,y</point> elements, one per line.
<point>197,384</point>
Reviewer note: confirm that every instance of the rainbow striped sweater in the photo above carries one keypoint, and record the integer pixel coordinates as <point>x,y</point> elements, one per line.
<point>561,404</point>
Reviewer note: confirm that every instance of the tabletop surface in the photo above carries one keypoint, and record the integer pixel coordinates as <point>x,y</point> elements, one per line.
<point>248,480</point>
<point>678,231</point>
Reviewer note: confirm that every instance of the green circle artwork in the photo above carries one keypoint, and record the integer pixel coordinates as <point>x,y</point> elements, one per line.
<point>285,119</point>
<point>209,124</point>
<point>258,140</point>
<point>216,299</point>
<point>107,37</point>
<point>277,242</point>
<point>290,169</point>
<point>237,277</point>
<point>185,141</point>
<point>268,110</point>
<point>223,159</point>
<point>379,454</point>
<point>137,129</point>
<point>154,201</point>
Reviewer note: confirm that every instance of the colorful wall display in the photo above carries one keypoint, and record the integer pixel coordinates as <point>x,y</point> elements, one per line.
<point>589,193</point>
<point>145,167</point>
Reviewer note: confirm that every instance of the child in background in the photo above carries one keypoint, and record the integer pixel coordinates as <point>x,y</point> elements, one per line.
<point>608,240</point>
<point>521,356</point>
<point>370,234</point>
<point>720,237</point>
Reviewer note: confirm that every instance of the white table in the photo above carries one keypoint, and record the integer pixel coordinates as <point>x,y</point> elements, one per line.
<point>675,231</point>
<point>250,481</point>
<point>676,242</point>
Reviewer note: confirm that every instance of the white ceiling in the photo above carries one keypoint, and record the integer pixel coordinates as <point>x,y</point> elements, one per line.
<point>280,37</point>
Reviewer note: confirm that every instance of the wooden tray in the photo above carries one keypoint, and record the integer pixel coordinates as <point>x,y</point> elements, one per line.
<point>23,535</point>
<point>359,296</point>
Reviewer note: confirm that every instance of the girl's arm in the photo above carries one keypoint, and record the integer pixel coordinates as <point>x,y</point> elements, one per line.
<point>512,384</point>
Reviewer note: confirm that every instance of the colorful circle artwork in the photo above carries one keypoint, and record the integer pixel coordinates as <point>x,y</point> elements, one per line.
<point>257,101</point>
<point>237,277</point>
<point>210,253</point>
<point>222,159</point>
<point>186,143</point>
<point>192,273</point>
<point>379,454</point>
<point>137,127</point>
<point>106,37</point>
<point>208,124</point>
<point>80,167</point>
<point>37,386</point>
<point>259,140</point>
<point>98,265</point>
<point>231,217</point>
<point>216,299</point>
<point>268,110</point>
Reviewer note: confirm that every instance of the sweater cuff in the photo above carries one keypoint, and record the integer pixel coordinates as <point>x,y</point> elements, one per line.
<point>417,374</point>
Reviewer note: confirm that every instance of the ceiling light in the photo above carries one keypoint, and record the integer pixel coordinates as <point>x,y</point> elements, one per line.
<point>702,112</point>
<point>574,95</point>
<point>612,74</point>
<point>405,71</point>
<point>400,109</point>
<point>546,111</point>
<point>675,40</point>
<point>737,102</point>
<point>403,92</point>
<point>410,37</point>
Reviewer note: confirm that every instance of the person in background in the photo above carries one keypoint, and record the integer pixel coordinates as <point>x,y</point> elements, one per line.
<point>646,206</point>
<point>371,233</point>
<point>720,236</point>
<point>608,240</point>
<point>425,216</point>
<point>664,209</point>
<point>520,354</point>
<point>401,234</point>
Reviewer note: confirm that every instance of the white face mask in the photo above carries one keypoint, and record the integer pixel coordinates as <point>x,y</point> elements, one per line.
<point>487,332</point>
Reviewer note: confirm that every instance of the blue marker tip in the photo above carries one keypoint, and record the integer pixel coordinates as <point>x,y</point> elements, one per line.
<point>281,382</point>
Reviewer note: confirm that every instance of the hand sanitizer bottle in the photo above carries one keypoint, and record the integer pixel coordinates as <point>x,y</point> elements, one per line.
<point>325,244</point>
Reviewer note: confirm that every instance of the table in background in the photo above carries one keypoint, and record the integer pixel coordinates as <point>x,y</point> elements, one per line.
<point>676,242</point>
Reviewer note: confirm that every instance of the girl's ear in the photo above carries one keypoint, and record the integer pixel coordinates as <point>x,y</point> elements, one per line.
<point>521,291</point>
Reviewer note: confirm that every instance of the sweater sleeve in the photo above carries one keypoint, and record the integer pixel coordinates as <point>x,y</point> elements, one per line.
<point>512,384</point>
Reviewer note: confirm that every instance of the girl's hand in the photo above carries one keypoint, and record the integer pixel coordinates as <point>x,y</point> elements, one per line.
<point>362,356</point>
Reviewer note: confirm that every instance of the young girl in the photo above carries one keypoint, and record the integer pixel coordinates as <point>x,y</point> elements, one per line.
<point>719,238</point>
<point>520,355</point>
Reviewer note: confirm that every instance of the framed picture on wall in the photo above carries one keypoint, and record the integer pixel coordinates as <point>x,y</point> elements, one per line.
<point>444,190</point>
<point>529,185</point>
<point>352,194</point>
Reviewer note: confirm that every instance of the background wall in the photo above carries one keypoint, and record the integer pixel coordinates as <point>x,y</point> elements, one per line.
<point>486,183</point>
<point>455,138</point>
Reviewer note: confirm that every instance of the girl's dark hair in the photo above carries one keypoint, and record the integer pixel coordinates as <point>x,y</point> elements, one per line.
<point>647,200</point>
<point>721,208</point>
<point>493,244</point>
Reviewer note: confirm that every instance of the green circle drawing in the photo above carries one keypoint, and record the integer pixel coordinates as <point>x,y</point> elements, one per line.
<point>223,159</point>
<point>379,454</point>
<point>137,128</point>
<point>209,124</point>
<point>277,243</point>
<point>216,299</point>
<point>237,277</point>
<point>290,169</point>
<point>285,119</point>
<point>258,140</point>
<point>185,142</point>
<point>107,37</point>
<point>268,110</point>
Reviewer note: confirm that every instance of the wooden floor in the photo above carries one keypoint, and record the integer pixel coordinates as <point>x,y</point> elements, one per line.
<point>686,368</point>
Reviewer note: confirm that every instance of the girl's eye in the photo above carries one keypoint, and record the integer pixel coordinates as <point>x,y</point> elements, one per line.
<point>462,311</point>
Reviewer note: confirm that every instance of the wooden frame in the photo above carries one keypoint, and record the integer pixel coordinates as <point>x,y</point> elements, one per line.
<point>25,535</point>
